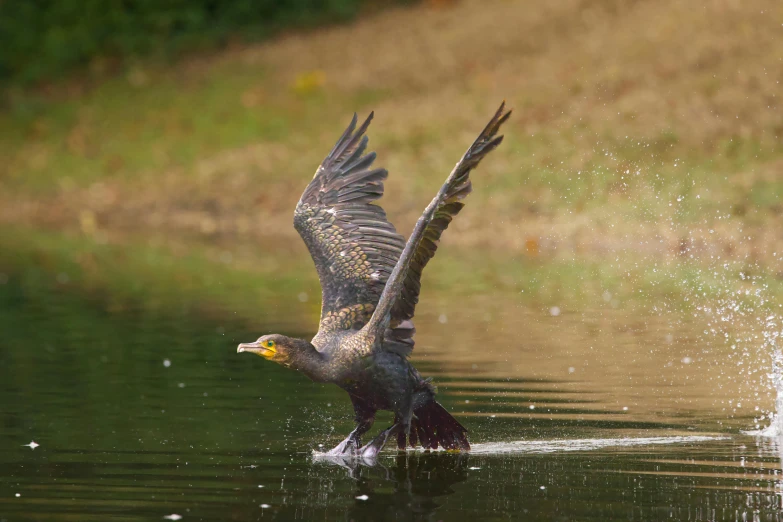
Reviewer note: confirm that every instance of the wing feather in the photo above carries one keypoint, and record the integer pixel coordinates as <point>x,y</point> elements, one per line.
<point>401,294</point>
<point>353,245</point>
<point>405,306</point>
<point>356,250</point>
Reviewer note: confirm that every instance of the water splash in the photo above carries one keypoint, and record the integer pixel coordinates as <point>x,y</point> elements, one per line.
<point>742,331</point>
<point>564,445</point>
<point>534,447</point>
<point>771,335</point>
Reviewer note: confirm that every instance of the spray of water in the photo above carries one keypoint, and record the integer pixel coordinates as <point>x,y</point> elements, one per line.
<point>771,334</point>
<point>724,284</point>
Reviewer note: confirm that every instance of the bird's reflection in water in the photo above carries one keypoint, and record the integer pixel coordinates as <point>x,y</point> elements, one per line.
<point>412,483</point>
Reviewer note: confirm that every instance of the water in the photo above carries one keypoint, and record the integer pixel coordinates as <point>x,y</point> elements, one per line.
<point>589,415</point>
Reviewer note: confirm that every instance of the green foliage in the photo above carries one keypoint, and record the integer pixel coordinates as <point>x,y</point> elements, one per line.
<point>45,38</point>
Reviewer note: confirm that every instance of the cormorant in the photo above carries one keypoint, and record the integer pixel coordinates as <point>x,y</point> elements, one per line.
<point>370,280</point>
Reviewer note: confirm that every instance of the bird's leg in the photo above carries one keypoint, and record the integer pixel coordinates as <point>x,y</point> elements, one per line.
<point>403,434</point>
<point>353,440</point>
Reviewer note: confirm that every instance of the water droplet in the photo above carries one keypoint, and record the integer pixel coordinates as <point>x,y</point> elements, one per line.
<point>166,363</point>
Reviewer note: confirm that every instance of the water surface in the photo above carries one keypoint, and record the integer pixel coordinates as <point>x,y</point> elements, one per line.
<point>142,415</point>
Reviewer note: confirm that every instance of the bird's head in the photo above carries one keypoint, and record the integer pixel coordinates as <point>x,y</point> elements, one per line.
<point>287,351</point>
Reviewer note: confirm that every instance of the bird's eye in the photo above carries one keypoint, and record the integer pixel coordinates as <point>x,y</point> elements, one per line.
<point>270,344</point>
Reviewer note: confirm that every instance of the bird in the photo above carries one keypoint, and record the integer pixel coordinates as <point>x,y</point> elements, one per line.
<point>370,281</point>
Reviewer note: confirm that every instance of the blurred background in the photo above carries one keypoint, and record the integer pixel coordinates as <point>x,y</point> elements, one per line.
<point>153,154</point>
<point>623,244</point>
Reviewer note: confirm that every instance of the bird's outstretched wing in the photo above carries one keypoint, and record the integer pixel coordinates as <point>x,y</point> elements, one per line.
<point>400,295</point>
<point>353,245</point>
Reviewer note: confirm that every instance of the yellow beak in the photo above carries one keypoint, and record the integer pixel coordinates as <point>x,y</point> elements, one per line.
<point>257,349</point>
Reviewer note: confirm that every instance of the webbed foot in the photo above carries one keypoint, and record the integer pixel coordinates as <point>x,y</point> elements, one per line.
<point>347,448</point>
<point>370,451</point>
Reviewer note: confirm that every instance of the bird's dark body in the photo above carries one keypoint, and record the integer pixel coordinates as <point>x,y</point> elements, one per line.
<point>381,380</point>
<point>370,281</point>
<point>388,382</point>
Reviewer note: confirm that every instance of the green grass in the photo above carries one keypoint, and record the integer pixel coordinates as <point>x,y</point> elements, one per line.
<point>124,130</point>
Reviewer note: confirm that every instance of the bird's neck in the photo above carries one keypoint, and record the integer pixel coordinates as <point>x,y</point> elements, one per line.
<point>308,360</point>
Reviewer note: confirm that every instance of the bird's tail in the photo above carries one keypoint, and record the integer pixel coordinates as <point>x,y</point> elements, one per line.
<point>432,426</point>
